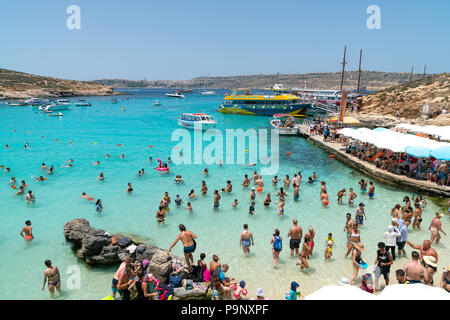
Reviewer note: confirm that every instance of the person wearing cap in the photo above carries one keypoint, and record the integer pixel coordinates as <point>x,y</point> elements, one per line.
<point>357,260</point>
<point>382,264</point>
<point>149,285</point>
<point>435,227</point>
<point>360,214</point>
<point>366,283</point>
<point>430,269</point>
<point>292,295</point>
<point>260,295</point>
<point>445,279</point>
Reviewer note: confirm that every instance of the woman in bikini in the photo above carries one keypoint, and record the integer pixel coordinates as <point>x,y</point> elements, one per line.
<point>267,200</point>
<point>353,239</point>
<point>51,275</point>
<point>27,231</point>
<point>357,260</point>
<point>204,188</point>
<point>395,211</point>
<point>306,250</point>
<point>417,216</point>
<point>340,194</point>
<point>160,214</point>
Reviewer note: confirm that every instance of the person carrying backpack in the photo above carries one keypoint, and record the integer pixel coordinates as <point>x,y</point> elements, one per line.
<point>277,245</point>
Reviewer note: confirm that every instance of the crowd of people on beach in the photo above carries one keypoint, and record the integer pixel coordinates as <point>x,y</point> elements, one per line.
<point>133,279</point>
<point>425,169</point>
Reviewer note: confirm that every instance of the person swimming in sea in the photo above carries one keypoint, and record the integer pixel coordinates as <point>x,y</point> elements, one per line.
<point>275,180</point>
<point>281,194</point>
<point>29,197</point>
<point>41,178</point>
<point>287,181</point>
<point>101,176</point>
<point>178,200</point>
<point>228,188</point>
<point>296,191</point>
<point>189,207</point>
<point>251,209</point>
<point>267,200</point>
<point>86,196</point>
<point>96,162</point>
<point>314,176</point>
<point>129,187</point>
<point>371,191</point>
<point>363,184</point>
<point>246,181</point>
<point>178,179</point>
<point>192,195</point>
<point>160,215</point>
<point>340,195</point>
<point>235,203</point>
<point>280,207</point>
<point>204,188</point>
<point>99,206</point>
<point>51,170</point>
<point>216,199</point>
<point>43,166</point>
<point>27,231</point>
<point>351,197</point>
<point>252,194</point>
<point>205,172</point>
<point>310,180</point>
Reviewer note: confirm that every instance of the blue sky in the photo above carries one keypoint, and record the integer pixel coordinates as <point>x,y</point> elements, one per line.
<point>173,39</point>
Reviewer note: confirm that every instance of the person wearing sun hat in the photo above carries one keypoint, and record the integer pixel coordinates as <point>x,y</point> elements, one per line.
<point>430,265</point>
<point>358,262</point>
<point>293,294</point>
<point>445,279</point>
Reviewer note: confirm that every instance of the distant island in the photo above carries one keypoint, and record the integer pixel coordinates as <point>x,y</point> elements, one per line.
<point>20,85</point>
<point>370,80</point>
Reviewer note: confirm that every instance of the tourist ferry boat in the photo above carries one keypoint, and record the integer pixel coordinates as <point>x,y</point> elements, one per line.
<point>285,124</point>
<point>197,120</point>
<point>332,96</point>
<point>264,104</point>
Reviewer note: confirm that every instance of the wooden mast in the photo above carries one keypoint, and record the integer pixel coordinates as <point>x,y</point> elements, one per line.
<point>343,67</point>
<point>359,71</point>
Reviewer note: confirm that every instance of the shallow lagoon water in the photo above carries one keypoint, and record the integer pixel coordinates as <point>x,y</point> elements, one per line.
<point>141,125</point>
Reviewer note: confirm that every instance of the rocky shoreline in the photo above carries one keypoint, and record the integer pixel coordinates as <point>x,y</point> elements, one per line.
<point>94,247</point>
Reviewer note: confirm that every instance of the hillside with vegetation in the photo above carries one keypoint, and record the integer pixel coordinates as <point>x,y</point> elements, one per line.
<point>370,80</point>
<point>408,98</point>
<point>20,85</point>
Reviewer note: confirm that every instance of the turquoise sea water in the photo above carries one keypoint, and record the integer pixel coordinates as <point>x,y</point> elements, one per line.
<point>141,125</point>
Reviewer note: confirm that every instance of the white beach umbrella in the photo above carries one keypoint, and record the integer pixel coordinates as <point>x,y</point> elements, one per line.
<point>346,131</point>
<point>413,292</point>
<point>340,293</point>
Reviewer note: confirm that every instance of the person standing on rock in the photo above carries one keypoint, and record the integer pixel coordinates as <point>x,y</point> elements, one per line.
<point>187,237</point>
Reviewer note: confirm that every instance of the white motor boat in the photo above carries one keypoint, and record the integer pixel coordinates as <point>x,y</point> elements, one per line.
<point>175,95</point>
<point>54,107</point>
<point>200,121</point>
<point>59,114</point>
<point>157,103</point>
<point>82,103</point>
<point>208,93</point>
<point>285,124</point>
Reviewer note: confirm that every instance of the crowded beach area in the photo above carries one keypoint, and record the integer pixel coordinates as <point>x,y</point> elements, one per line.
<point>220,231</point>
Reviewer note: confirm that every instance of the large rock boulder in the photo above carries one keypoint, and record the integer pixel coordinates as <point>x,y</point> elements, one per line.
<point>94,247</point>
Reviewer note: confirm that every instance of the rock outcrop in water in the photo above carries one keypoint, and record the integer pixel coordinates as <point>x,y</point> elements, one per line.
<point>94,247</point>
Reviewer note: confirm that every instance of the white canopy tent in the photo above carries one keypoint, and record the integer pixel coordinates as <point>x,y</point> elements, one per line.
<point>439,131</point>
<point>391,140</point>
<point>413,292</point>
<point>340,293</point>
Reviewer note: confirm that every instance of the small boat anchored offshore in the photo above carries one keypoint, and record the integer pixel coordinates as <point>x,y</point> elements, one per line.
<point>157,103</point>
<point>200,121</point>
<point>82,103</point>
<point>285,124</point>
<point>175,95</point>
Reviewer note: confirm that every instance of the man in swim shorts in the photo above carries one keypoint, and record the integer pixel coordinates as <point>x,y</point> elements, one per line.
<point>371,191</point>
<point>296,233</point>
<point>187,238</point>
<point>414,271</point>
<point>216,199</point>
